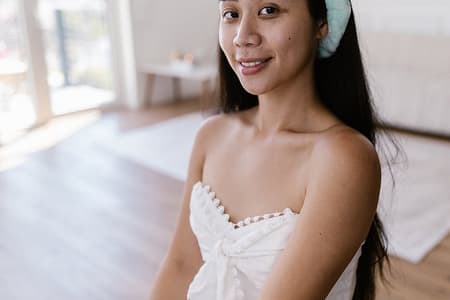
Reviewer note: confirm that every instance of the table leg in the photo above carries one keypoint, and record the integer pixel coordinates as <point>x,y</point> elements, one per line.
<point>206,92</point>
<point>176,88</point>
<point>150,78</point>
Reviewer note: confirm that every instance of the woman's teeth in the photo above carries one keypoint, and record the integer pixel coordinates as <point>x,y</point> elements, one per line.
<point>251,64</point>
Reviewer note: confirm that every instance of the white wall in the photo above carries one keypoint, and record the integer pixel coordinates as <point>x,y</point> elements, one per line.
<point>161,26</point>
<point>406,44</point>
<point>429,17</point>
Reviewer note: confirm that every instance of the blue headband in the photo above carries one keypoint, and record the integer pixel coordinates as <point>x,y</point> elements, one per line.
<point>338,15</point>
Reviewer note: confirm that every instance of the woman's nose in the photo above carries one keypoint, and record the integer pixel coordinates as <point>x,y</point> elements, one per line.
<point>247,35</point>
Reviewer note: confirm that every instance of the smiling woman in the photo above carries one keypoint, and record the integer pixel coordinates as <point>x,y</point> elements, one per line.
<point>255,38</point>
<point>283,182</point>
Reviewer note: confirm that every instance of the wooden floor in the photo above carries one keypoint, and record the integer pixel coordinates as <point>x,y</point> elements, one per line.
<point>78,222</point>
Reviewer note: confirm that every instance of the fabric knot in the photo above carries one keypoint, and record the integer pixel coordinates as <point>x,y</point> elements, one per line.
<point>218,249</point>
<point>222,249</point>
<point>220,254</point>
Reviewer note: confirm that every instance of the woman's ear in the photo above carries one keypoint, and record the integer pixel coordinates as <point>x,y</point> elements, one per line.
<point>323,29</point>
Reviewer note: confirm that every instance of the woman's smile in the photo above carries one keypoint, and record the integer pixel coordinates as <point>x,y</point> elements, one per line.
<point>251,66</point>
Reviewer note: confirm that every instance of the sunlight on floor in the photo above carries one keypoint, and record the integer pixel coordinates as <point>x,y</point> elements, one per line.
<point>80,97</point>
<point>44,137</point>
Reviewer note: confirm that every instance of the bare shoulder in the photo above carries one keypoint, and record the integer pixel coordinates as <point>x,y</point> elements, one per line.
<point>214,129</point>
<point>213,123</point>
<point>347,163</point>
<point>346,148</point>
<point>211,129</point>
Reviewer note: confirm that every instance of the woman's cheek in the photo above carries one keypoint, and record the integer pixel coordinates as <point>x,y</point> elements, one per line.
<point>225,43</point>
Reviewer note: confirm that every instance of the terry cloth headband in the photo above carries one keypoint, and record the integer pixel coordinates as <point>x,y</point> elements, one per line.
<point>338,15</point>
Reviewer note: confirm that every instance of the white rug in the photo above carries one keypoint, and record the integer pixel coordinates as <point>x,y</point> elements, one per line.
<point>416,217</point>
<point>165,147</point>
<point>417,214</point>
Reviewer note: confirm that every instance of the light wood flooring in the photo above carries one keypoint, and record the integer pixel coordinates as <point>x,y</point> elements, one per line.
<point>79,222</point>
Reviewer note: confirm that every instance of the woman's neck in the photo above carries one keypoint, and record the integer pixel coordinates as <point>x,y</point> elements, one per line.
<point>293,107</point>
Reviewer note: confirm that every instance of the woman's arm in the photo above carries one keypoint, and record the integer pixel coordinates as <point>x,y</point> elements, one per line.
<point>184,258</point>
<point>341,201</point>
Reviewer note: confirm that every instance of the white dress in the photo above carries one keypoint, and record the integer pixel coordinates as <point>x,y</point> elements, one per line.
<point>239,257</point>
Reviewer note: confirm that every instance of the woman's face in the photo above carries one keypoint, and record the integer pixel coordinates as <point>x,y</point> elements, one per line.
<point>267,43</point>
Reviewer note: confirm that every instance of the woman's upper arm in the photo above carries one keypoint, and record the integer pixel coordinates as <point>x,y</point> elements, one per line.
<point>341,201</point>
<point>184,250</point>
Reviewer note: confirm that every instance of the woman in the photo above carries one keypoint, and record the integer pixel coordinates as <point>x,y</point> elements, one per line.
<point>294,148</point>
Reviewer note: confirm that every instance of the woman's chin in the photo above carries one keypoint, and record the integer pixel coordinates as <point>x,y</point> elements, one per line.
<point>256,90</point>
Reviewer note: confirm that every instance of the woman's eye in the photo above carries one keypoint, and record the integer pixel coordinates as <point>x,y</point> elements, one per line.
<point>269,10</point>
<point>230,15</point>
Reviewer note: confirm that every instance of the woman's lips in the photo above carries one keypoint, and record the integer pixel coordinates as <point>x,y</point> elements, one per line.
<point>253,66</point>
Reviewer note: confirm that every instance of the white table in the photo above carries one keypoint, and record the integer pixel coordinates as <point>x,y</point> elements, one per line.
<point>205,74</point>
<point>12,73</point>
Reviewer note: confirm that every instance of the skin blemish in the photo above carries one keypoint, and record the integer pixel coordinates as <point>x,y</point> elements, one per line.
<point>291,35</point>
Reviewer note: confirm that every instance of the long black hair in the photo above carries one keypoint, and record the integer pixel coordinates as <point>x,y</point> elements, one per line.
<point>343,88</point>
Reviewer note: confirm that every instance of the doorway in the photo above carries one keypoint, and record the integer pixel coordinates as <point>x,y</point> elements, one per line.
<point>56,57</point>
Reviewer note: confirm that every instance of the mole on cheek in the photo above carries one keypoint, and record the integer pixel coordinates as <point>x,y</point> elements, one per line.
<point>289,38</point>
